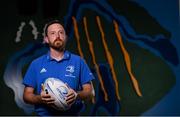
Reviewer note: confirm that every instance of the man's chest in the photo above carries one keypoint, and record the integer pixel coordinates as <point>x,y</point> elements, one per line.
<point>67,72</point>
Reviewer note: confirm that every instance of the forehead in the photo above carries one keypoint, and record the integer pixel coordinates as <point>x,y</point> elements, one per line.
<point>55,26</point>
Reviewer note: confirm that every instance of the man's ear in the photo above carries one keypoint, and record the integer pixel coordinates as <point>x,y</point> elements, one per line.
<point>45,40</point>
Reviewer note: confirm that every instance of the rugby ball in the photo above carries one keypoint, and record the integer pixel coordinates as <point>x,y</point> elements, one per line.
<point>58,90</point>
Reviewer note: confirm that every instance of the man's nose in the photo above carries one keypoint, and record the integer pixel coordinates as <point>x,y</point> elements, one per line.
<point>58,35</point>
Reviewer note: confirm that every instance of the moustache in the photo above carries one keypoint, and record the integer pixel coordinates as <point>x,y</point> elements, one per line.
<point>58,39</point>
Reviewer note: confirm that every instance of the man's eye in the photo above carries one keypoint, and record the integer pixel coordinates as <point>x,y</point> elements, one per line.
<point>61,32</point>
<point>52,33</point>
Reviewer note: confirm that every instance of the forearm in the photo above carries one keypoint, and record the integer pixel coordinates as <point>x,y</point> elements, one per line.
<point>87,93</point>
<point>32,99</point>
<point>83,95</point>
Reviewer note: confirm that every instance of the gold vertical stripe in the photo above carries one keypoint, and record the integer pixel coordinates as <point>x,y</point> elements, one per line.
<point>109,57</point>
<point>78,42</point>
<point>91,48</point>
<point>77,37</point>
<point>127,60</point>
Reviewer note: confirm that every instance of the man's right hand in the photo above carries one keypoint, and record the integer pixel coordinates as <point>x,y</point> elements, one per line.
<point>45,97</point>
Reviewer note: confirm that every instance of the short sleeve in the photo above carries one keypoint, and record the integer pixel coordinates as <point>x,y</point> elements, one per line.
<point>85,75</point>
<point>30,77</point>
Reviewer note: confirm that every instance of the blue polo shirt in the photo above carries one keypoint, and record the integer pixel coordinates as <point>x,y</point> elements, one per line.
<point>72,70</point>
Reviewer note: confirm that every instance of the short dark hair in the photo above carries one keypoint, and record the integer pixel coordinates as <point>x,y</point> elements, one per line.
<point>50,23</point>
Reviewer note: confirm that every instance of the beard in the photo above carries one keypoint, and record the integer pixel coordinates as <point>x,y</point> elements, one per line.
<point>58,44</point>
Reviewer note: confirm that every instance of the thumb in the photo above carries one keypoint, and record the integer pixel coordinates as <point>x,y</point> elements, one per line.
<point>67,85</point>
<point>42,87</point>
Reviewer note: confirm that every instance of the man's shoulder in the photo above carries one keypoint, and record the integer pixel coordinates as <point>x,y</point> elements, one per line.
<point>39,59</point>
<point>78,59</point>
<point>75,56</point>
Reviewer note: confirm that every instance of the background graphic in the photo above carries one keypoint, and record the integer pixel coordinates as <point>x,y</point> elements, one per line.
<point>131,46</point>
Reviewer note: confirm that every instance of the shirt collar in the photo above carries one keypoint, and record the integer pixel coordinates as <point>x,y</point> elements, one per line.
<point>65,57</point>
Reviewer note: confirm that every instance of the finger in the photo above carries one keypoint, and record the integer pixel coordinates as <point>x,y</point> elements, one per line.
<point>46,95</point>
<point>69,93</point>
<point>70,96</point>
<point>48,100</point>
<point>70,101</point>
<point>50,103</point>
<point>67,85</point>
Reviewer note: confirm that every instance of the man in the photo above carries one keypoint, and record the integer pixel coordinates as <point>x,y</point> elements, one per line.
<point>61,64</point>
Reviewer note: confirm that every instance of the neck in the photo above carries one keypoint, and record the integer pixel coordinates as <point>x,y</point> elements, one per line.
<point>55,54</point>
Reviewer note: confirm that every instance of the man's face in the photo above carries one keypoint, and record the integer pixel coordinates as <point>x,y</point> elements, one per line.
<point>56,37</point>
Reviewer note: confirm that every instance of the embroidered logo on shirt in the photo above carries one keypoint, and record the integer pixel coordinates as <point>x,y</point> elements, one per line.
<point>70,71</point>
<point>43,70</point>
<point>70,68</point>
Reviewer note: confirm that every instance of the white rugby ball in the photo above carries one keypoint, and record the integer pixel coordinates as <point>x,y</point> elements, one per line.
<point>57,89</point>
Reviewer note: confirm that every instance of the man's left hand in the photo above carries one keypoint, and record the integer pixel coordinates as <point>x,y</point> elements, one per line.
<point>71,97</point>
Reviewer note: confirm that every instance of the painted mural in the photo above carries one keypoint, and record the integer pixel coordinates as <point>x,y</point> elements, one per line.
<point>130,46</point>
